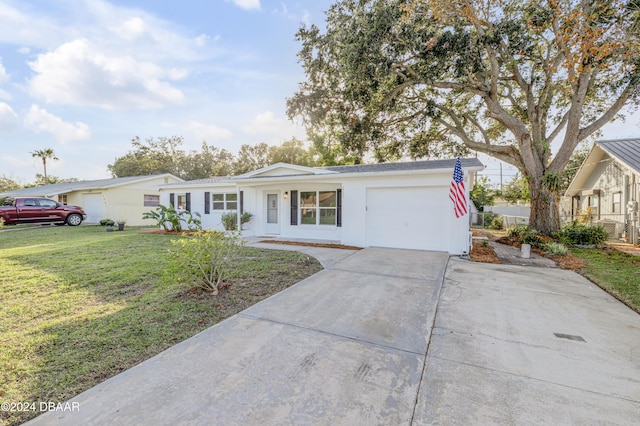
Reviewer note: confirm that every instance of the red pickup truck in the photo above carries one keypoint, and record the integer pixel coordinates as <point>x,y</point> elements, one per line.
<point>40,210</point>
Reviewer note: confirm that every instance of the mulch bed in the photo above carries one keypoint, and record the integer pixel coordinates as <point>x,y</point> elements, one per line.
<point>301,243</point>
<point>484,254</point>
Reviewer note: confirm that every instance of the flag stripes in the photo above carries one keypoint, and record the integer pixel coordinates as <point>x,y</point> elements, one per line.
<point>457,191</point>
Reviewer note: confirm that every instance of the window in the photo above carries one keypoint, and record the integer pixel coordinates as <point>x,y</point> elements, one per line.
<point>150,200</point>
<point>225,201</point>
<point>50,204</point>
<point>181,202</point>
<point>617,202</point>
<point>318,208</point>
<point>62,199</point>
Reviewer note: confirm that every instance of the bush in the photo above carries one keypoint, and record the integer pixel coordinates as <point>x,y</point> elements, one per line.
<point>107,222</point>
<point>169,219</point>
<point>496,223</point>
<point>204,259</point>
<point>579,234</point>
<point>555,248</point>
<point>488,218</point>
<point>230,219</point>
<point>525,234</point>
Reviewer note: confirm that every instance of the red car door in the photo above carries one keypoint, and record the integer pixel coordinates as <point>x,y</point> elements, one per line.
<point>28,210</point>
<point>50,211</point>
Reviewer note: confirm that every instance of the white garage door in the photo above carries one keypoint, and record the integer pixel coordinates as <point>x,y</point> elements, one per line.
<point>93,207</point>
<point>413,218</point>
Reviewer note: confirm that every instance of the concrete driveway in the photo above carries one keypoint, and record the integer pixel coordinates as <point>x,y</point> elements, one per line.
<point>384,336</point>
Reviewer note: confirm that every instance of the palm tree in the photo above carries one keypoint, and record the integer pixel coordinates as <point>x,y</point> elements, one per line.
<point>44,154</point>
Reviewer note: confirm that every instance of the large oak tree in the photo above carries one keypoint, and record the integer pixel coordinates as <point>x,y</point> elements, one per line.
<point>428,78</point>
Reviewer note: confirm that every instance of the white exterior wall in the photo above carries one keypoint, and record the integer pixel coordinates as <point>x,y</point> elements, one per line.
<point>451,234</point>
<point>212,220</point>
<point>255,202</point>
<point>440,231</point>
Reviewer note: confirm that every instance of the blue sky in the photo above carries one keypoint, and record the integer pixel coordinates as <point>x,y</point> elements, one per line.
<point>84,77</point>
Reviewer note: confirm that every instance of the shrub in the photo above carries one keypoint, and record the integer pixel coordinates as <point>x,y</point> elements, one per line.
<point>107,222</point>
<point>525,234</point>
<point>169,219</point>
<point>230,219</point>
<point>487,218</point>
<point>555,248</point>
<point>579,234</point>
<point>204,259</point>
<point>496,223</point>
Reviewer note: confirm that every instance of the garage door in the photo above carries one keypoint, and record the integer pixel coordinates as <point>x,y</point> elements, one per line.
<point>413,218</point>
<point>93,207</point>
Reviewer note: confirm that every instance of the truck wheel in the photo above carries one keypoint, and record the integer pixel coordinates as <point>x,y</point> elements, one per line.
<point>74,220</point>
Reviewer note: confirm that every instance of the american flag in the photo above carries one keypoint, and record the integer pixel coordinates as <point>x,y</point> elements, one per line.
<point>457,192</point>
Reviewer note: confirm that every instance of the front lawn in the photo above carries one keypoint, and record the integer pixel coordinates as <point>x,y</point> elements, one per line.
<point>616,272</point>
<point>79,305</point>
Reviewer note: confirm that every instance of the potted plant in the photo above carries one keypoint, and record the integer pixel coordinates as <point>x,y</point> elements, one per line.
<point>121,224</point>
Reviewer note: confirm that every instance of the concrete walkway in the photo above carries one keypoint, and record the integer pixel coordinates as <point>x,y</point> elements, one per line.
<point>384,336</point>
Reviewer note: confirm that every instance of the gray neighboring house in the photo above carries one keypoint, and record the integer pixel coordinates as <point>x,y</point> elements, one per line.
<point>606,189</point>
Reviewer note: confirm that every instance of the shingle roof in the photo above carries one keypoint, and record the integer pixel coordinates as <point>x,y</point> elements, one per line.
<point>625,150</point>
<point>205,181</point>
<point>63,188</point>
<point>401,166</point>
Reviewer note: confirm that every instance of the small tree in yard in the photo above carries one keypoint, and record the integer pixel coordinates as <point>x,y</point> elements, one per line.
<point>204,259</point>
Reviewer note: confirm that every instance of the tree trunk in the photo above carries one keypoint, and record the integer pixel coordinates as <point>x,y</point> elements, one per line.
<point>545,209</point>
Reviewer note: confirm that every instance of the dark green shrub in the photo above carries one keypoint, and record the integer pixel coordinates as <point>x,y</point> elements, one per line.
<point>230,220</point>
<point>525,234</point>
<point>107,222</point>
<point>578,234</point>
<point>487,218</point>
<point>496,223</point>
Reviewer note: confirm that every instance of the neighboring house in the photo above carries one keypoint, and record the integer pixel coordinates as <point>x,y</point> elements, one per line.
<point>401,205</point>
<point>606,189</point>
<point>124,198</point>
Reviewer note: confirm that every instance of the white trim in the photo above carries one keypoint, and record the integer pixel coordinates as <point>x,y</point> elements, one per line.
<point>293,167</point>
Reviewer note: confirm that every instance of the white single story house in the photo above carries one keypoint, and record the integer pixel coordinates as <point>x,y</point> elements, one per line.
<point>399,205</point>
<point>118,199</point>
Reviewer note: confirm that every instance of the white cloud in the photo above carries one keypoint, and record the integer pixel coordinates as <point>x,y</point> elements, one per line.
<point>208,132</point>
<point>266,123</point>
<point>247,4</point>
<point>42,121</point>
<point>132,29</point>
<point>78,73</point>
<point>4,75</point>
<point>9,120</point>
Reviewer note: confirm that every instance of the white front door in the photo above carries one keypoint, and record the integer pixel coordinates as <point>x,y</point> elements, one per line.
<point>272,213</point>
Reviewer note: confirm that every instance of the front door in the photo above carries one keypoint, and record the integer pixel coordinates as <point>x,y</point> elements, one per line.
<point>273,223</point>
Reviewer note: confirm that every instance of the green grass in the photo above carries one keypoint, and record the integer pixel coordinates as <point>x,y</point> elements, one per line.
<point>79,305</point>
<point>616,272</point>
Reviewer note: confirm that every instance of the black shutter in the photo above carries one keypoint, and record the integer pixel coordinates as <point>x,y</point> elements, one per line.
<point>207,202</point>
<point>339,207</point>
<point>241,202</point>
<point>294,207</point>
<point>188,197</point>
<point>172,199</point>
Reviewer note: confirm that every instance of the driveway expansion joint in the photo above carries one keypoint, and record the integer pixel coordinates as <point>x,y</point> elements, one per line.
<point>326,333</point>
